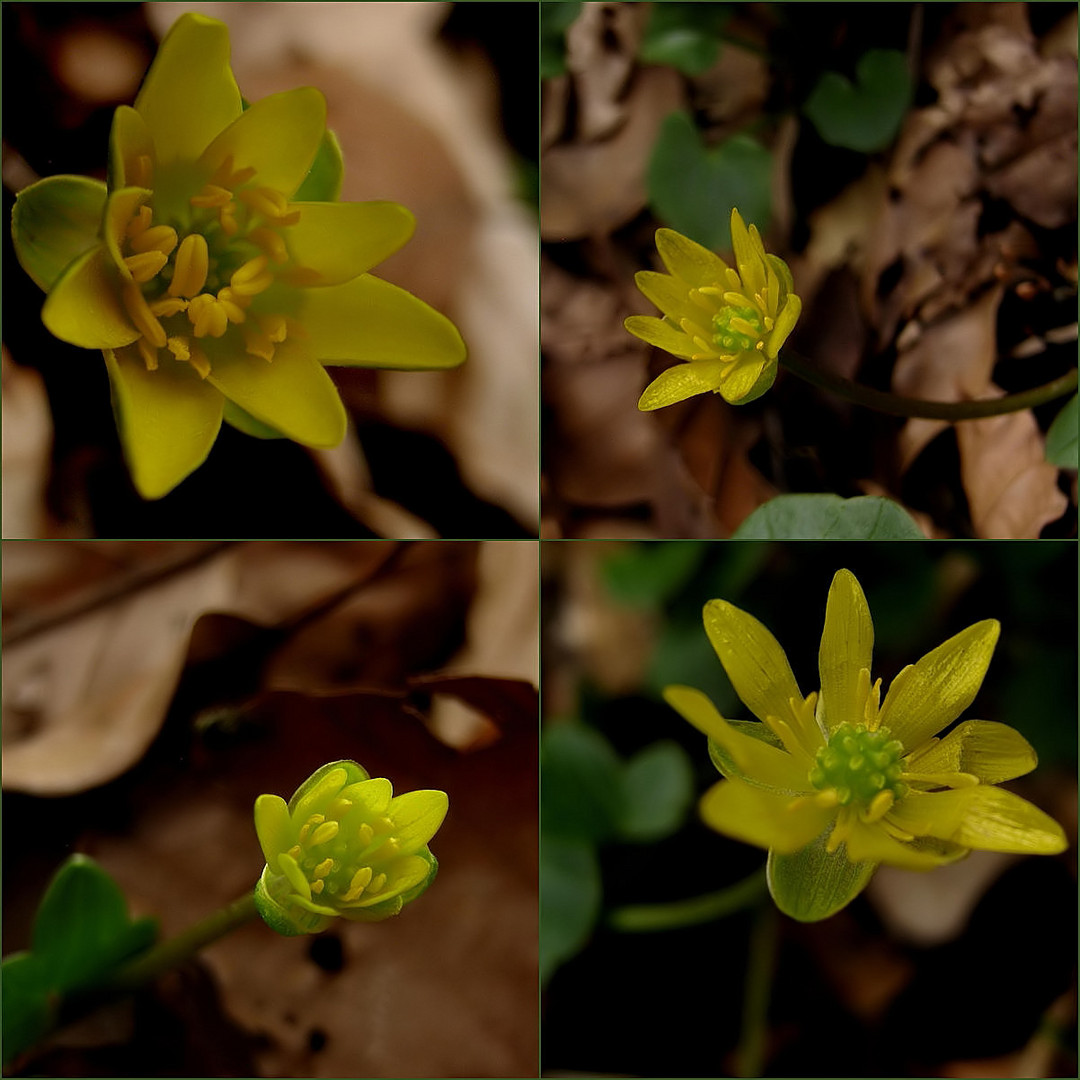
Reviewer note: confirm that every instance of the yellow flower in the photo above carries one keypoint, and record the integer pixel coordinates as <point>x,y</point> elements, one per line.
<point>343,845</point>
<point>839,781</point>
<point>216,270</point>
<point>728,324</point>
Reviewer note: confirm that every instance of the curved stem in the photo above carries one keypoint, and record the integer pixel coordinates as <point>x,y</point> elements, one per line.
<point>931,410</point>
<point>698,909</point>
<point>761,962</point>
<point>176,950</point>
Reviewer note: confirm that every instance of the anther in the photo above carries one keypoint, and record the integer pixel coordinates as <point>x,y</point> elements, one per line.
<point>207,316</point>
<point>252,278</point>
<point>142,316</point>
<point>326,831</point>
<point>178,346</point>
<point>323,868</point>
<point>378,883</point>
<point>191,265</point>
<point>145,265</point>
<point>159,238</point>
<point>211,195</point>
<point>165,306</point>
<point>270,242</point>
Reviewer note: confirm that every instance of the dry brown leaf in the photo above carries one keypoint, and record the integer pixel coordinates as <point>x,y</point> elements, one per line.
<point>449,988</point>
<point>27,446</point>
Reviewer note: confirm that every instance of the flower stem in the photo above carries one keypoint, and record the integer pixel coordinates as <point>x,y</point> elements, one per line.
<point>698,909</point>
<point>930,410</point>
<point>176,950</point>
<point>750,1053</point>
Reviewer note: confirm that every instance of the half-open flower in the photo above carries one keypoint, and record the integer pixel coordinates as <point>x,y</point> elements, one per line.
<point>216,270</point>
<point>344,845</point>
<point>836,782</point>
<point>727,324</point>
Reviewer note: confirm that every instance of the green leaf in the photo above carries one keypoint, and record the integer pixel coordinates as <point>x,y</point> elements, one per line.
<point>323,181</point>
<point>658,788</point>
<point>570,893</point>
<point>555,19</point>
<point>685,36</point>
<point>1061,438</point>
<point>811,884</point>
<point>245,422</point>
<point>867,115</point>
<point>29,1009</point>
<point>692,188</point>
<point>648,574</point>
<point>54,222</point>
<point>581,783</point>
<point>82,930</point>
<point>829,517</point>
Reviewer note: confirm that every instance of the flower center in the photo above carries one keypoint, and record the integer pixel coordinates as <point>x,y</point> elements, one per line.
<point>859,764</point>
<point>187,288</point>
<point>738,328</point>
<point>340,858</point>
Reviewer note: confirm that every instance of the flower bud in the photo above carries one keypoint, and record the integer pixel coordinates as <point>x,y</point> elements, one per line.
<point>343,845</point>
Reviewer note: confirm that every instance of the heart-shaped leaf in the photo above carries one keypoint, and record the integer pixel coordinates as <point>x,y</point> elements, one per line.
<point>866,115</point>
<point>1061,438</point>
<point>684,35</point>
<point>829,517</point>
<point>692,188</point>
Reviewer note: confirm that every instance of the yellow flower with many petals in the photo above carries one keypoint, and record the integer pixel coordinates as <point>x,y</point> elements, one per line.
<point>837,782</point>
<point>215,269</point>
<point>728,324</point>
<point>344,845</point>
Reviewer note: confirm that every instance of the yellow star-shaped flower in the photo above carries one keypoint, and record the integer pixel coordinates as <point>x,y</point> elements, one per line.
<point>727,323</point>
<point>834,783</point>
<point>216,270</point>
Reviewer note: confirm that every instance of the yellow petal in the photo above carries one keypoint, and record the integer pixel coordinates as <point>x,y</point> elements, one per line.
<point>663,335</point>
<point>343,240</point>
<point>131,150</point>
<point>744,375</point>
<point>847,645</point>
<point>277,137</point>
<point>758,762</point>
<point>785,323</point>
<point>168,419</point>
<point>991,751</point>
<point>669,294</point>
<point>749,255</point>
<point>293,394</point>
<point>688,260</point>
<point>681,382</point>
<point>189,94</point>
<point>762,818</point>
<point>927,696</point>
<point>755,664</point>
<point>273,827</point>
<point>871,843</point>
<point>84,307</point>
<point>373,795</point>
<point>985,817</point>
<point>417,816</point>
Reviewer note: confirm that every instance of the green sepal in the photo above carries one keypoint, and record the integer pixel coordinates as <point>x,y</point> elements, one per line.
<point>54,222</point>
<point>762,384</point>
<point>288,921</point>
<point>29,1003</point>
<point>811,884</point>
<point>243,421</point>
<point>324,179</point>
<point>354,774</point>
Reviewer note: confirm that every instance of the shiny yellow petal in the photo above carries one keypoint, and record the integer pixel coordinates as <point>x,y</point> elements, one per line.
<point>670,295</point>
<point>785,323</point>
<point>742,378</point>
<point>757,763</point>
<point>189,94</point>
<point>84,307</point>
<point>277,137</point>
<point>168,419</point>
<point>131,150</point>
<point>663,335</point>
<point>417,816</point>
<point>991,751</point>
<point>926,696</point>
<point>343,240</point>
<point>755,663</point>
<point>273,828</point>
<point>293,393</point>
<point>871,843</point>
<point>847,646</point>
<point>986,818</point>
<point>760,817</point>
<point>373,795</point>
<point>368,322</point>
<point>749,255</point>
<point>688,260</point>
<point>681,382</point>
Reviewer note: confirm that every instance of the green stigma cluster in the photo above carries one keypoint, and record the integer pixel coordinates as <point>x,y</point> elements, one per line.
<point>737,329</point>
<point>858,764</point>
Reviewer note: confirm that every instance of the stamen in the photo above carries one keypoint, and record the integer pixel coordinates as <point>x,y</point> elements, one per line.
<point>227,218</point>
<point>228,301</point>
<point>199,361</point>
<point>142,316</point>
<point>178,346</point>
<point>160,238</point>
<point>252,278</point>
<point>323,868</point>
<point>207,316</point>
<point>270,242</point>
<point>266,201</point>
<point>165,306</point>
<point>148,354</point>
<point>141,172</point>
<point>879,806</point>
<point>326,831</point>
<point>294,851</point>
<point>317,886</point>
<point>140,222</point>
<point>365,833</point>
<point>211,195</point>
<point>145,265</point>
<point>191,265</point>
<point>378,883</point>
